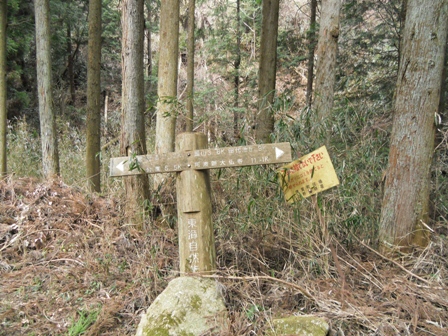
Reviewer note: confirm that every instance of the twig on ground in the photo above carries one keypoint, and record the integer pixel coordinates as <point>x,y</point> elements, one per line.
<point>61,259</point>
<point>393,262</point>
<point>369,277</point>
<point>261,277</point>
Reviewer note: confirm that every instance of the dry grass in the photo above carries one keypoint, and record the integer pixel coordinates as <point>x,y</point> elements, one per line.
<point>64,252</point>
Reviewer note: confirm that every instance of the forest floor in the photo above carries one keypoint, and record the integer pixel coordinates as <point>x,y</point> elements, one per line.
<point>69,266</point>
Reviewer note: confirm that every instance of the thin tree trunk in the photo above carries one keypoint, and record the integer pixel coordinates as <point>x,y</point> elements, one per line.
<point>106,107</point>
<point>133,139</point>
<point>50,158</point>
<point>267,71</point>
<point>440,135</point>
<point>71,78</point>
<point>327,47</point>
<point>190,66</point>
<point>3,110</point>
<point>148,68</point>
<point>236,103</point>
<point>402,18</point>
<point>167,84</point>
<point>311,47</point>
<point>405,210</point>
<point>93,145</point>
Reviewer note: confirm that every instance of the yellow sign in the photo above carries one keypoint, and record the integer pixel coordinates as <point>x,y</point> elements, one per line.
<point>308,175</point>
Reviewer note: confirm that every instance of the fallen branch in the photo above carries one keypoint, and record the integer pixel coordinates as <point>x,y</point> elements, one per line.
<point>259,277</point>
<point>393,262</point>
<point>61,259</point>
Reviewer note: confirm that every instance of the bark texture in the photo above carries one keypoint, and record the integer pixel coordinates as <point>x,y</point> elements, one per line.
<point>311,46</point>
<point>70,70</point>
<point>94,97</point>
<point>327,47</point>
<point>148,66</point>
<point>3,111</point>
<point>190,66</point>
<point>167,81</point>
<point>236,79</point>
<point>267,71</point>
<point>50,158</point>
<point>168,71</point>
<point>133,140</point>
<point>404,213</point>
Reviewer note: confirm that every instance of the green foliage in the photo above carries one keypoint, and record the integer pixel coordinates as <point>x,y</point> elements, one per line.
<point>72,17</point>
<point>221,42</point>
<point>253,311</point>
<point>68,26</point>
<point>369,50</point>
<point>359,130</point>
<point>111,42</point>
<point>19,62</point>
<point>291,49</point>
<point>134,164</point>
<point>85,320</point>
<point>23,98</point>
<point>20,28</point>
<point>176,107</point>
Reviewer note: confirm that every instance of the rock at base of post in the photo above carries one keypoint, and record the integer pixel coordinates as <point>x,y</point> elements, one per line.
<point>188,306</point>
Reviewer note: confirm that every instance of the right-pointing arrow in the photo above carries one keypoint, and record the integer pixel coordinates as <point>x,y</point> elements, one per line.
<point>278,153</point>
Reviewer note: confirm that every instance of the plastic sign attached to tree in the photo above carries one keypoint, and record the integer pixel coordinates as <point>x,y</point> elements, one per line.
<point>308,175</point>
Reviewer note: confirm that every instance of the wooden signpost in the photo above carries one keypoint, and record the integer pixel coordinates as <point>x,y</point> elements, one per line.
<point>192,160</point>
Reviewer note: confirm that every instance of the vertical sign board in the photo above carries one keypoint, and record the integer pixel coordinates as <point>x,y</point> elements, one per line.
<point>308,175</point>
<point>194,211</point>
<point>192,161</point>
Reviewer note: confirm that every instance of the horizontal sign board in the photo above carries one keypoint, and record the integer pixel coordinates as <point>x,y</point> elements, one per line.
<point>210,158</point>
<point>308,175</point>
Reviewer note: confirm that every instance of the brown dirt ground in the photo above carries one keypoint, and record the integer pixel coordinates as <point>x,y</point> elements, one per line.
<point>64,254</point>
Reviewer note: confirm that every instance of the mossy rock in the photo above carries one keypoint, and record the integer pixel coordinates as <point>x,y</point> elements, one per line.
<point>187,307</point>
<point>299,325</point>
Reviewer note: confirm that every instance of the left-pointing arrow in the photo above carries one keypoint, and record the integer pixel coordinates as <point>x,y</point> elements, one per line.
<point>120,166</point>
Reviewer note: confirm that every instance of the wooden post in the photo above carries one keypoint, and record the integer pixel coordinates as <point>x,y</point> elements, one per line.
<point>194,209</point>
<point>192,161</point>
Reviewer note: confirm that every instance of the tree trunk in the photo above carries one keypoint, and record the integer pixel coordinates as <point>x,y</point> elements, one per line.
<point>267,71</point>
<point>148,68</point>
<point>236,80</point>
<point>167,85</point>
<point>3,111</point>
<point>311,47</point>
<point>71,78</point>
<point>50,158</point>
<point>93,123</point>
<point>190,67</point>
<point>405,208</point>
<point>402,19</point>
<point>133,139</point>
<point>327,47</point>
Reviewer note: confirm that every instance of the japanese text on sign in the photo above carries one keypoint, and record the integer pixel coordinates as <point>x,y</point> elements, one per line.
<point>193,257</point>
<point>308,175</point>
<point>211,158</point>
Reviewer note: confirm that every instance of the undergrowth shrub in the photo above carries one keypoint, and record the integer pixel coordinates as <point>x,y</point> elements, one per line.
<point>24,149</point>
<point>72,147</point>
